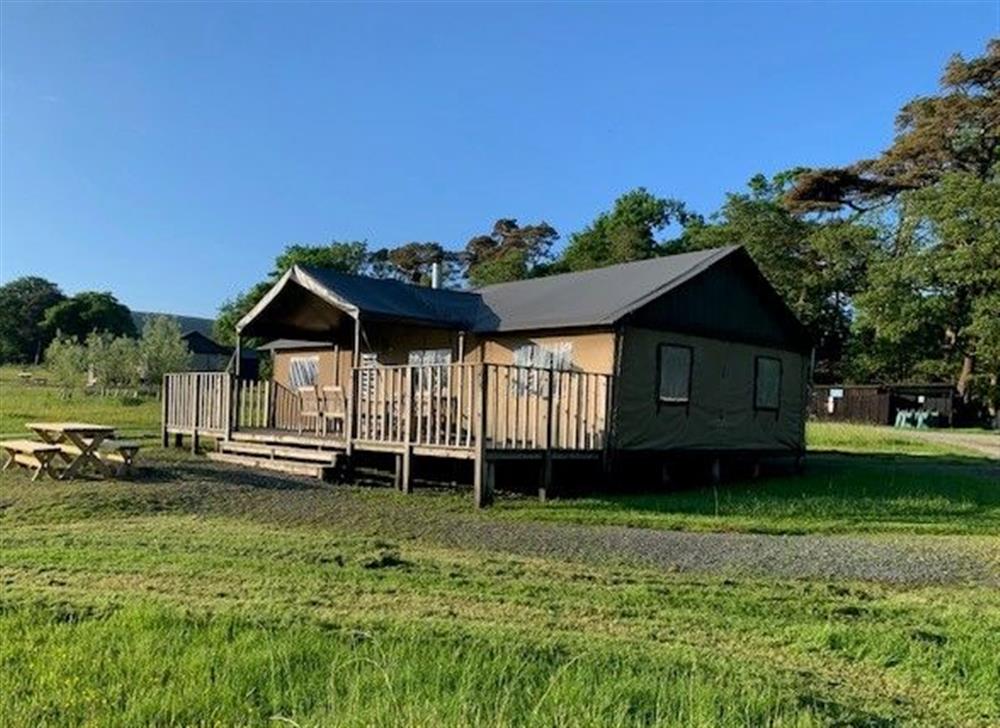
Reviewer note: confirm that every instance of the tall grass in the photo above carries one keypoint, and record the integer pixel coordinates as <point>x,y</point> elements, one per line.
<point>207,619</point>
<point>143,666</point>
<point>21,403</point>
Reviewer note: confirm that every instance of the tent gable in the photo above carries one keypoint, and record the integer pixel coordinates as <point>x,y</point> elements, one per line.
<point>730,300</point>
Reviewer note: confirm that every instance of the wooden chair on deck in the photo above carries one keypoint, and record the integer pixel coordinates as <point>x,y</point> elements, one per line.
<point>308,406</point>
<point>334,408</point>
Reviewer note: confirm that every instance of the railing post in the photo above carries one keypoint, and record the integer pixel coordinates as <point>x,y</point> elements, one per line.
<point>606,452</point>
<point>351,414</point>
<point>229,405</point>
<point>271,394</point>
<point>546,484</point>
<point>405,478</point>
<point>195,403</point>
<point>165,410</point>
<point>482,477</point>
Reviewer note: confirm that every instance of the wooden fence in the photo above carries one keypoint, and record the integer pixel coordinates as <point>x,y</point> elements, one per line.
<point>196,403</point>
<point>448,406</point>
<point>539,409</point>
<point>428,405</point>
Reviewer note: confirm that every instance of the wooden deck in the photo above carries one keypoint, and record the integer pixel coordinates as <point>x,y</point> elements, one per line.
<point>479,412</point>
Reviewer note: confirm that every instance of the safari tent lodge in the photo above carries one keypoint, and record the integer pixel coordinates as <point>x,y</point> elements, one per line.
<point>685,354</point>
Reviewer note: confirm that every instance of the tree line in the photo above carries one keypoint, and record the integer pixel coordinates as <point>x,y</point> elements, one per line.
<point>892,263</point>
<point>89,338</point>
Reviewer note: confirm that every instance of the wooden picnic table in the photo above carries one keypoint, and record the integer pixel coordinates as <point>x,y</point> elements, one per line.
<point>79,443</point>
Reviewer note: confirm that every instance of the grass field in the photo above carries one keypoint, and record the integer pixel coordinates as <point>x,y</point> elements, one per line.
<point>21,403</point>
<point>199,600</point>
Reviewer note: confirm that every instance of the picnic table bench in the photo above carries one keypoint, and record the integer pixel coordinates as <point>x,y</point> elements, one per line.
<point>82,444</point>
<point>119,452</point>
<point>36,456</point>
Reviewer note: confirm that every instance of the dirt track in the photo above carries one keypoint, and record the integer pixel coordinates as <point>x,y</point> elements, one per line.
<point>985,443</point>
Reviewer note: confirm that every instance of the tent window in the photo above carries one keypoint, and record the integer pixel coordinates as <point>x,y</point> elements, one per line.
<point>543,356</point>
<point>673,368</point>
<point>767,383</point>
<point>432,380</point>
<point>539,356</point>
<point>303,371</point>
<point>420,357</point>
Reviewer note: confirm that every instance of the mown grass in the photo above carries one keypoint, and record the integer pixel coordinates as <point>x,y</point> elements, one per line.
<point>836,494</point>
<point>185,598</point>
<point>869,439</point>
<point>176,617</point>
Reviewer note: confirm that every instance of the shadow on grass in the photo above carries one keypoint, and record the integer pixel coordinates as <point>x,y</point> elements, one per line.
<point>209,473</point>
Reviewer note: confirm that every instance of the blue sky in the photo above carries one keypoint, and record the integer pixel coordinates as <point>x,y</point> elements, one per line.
<point>167,152</point>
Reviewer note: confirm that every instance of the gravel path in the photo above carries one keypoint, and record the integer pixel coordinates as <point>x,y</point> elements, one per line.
<point>900,560</point>
<point>212,489</point>
<point>985,443</point>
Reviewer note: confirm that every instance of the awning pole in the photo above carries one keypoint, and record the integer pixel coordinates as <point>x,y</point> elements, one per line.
<point>357,342</point>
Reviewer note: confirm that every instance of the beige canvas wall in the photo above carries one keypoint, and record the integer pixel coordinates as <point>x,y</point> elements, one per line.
<point>394,342</point>
<point>592,351</point>
<point>329,372</point>
<point>720,414</point>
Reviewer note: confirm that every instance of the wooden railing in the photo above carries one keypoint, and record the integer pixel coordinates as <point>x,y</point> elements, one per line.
<point>270,405</point>
<point>196,402</point>
<point>423,405</point>
<point>538,409</point>
<point>440,406</point>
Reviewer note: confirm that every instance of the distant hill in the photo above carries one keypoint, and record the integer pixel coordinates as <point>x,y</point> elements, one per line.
<point>187,323</point>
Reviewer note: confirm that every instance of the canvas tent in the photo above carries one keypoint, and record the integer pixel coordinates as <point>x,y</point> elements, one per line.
<point>705,355</point>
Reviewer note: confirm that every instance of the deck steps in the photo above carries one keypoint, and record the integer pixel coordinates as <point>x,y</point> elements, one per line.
<point>278,452</point>
<point>291,467</point>
<point>288,438</point>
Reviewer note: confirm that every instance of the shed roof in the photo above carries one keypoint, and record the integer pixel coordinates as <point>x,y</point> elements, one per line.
<point>198,343</point>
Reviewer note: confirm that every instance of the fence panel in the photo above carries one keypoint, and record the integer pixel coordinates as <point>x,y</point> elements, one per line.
<point>196,402</point>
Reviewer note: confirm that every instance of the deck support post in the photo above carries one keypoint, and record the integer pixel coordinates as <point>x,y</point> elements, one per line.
<point>716,471</point>
<point>482,485</point>
<point>546,477</point>
<point>756,469</point>
<point>406,479</point>
<point>665,473</point>
<point>397,474</point>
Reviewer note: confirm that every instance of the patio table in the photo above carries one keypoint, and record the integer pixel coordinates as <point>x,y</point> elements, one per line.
<point>79,442</point>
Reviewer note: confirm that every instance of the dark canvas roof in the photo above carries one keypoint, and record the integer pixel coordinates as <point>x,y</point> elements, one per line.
<point>599,297</point>
<point>595,297</point>
<point>397,300</point>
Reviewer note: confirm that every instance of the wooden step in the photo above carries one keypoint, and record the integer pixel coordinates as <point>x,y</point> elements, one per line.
<point>282,466</point>
<point>263,450</point>
<point>275,437</point>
